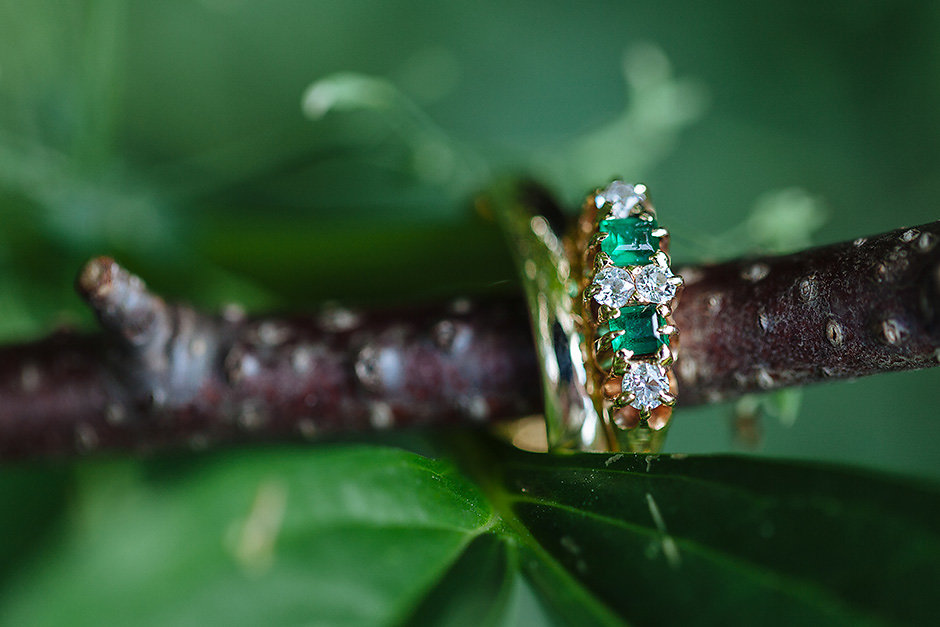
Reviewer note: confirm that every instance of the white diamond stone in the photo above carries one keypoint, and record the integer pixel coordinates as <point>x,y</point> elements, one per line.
<point>652,284</point>
<point>622,197</point>
<point>646,381</point>
<point>616,286</point>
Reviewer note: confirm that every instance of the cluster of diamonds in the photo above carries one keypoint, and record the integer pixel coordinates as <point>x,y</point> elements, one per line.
<point>634,291</point>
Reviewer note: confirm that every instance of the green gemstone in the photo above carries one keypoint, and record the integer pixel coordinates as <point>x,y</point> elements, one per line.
<point>640,326</point>
<point>630,241</point>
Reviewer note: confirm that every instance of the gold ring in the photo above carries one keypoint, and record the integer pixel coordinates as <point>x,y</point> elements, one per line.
<point>601,299</point>
<point>620,264</point>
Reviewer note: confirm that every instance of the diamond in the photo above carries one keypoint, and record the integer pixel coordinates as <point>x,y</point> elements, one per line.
<point>652,284</point>
<point>646,381</point>
<point>616,286</point>
<point>621,197</point>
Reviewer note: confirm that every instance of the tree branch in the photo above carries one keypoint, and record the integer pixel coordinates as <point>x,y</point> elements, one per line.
<point>166,375</point>
<point>836,312</point>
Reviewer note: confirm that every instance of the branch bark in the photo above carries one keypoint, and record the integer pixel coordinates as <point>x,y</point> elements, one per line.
<point>166,375</point>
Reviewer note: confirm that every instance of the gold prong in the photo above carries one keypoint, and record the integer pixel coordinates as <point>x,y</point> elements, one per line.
<point>621,362</point>
<point>604,342</point>
<point>624,399</point>
<point>606,313</point>
<point>667,329</point>
<point>661,259</point>
<point>597,238</point>
<point>602,260</point>
<point>624,355</point>
<point>659,232</point>
<point>664,356</point>
<point>675,280</point>
<point>646,214</point>
<point>667,398</point>
<point>664,310</point>
<point>592,290</point>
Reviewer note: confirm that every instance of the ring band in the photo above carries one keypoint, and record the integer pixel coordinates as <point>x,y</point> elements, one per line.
<point>605,342</point>
<point>627,295</point>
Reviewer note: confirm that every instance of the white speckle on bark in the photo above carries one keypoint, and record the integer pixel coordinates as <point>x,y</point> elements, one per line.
<point>687,369</point>
<point>86,439</point>
<point>477,407</point>
<point>859,242</point>
<point>909,235</point>
<point>198,347</point>
<point>690,275</point>
<point>755,272</point>
<point>30,378</point>
<point>443,334</point>
<point>381,415</point>
<point>926,242</point>
<point>249,366</point>
<point>714,303</point>
<point>764,378</point>
<point>115,414</point>
<point>461,306</point>
<point>379,368</point>
<point>272,334</point>
<point>240,365</point>
<point>301,359</point>
<point>893,331</point>
<point>251,414</point>
<point>233,312</point>
<point>338,319</point>
<point>808,289</point>
<point>158,397</point>
<point>763,319</point>
<point>834,333</point>
<point>307,428</point>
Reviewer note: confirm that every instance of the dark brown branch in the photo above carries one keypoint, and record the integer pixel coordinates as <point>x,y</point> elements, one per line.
<point>836,312</point>
<point>166,375</point>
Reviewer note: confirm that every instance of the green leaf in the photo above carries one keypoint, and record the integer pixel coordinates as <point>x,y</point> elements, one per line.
<point>355,534</point>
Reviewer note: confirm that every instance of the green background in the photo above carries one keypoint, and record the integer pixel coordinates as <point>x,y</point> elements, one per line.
<point>286,153</point>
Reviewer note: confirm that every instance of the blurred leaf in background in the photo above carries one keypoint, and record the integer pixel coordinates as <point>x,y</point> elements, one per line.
<point>286,153</point>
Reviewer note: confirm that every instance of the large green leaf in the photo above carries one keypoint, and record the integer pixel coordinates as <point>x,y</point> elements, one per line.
<point>357,534</point>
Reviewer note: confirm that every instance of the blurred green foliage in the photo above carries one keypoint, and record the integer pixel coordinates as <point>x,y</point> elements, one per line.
<point>286,153</point>
<point>376,535</point>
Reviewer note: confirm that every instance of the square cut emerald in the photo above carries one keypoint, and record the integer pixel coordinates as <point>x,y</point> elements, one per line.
<point>640,326</point>
<point>630,241</point>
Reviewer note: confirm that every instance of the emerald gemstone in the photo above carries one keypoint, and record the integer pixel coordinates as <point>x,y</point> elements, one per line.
<point>630,241</point>
<point>639,325</point>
